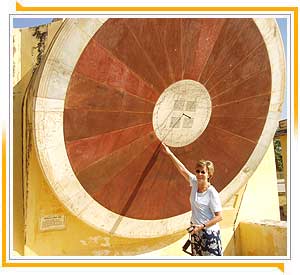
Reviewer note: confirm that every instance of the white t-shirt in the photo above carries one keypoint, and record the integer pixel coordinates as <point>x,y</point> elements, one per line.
<point>204,205</point>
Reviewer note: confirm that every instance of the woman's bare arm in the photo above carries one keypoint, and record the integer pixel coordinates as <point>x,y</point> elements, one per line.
<point>181,168</point>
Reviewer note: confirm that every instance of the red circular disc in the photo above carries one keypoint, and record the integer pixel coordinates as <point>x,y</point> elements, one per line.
<point>110,140</point>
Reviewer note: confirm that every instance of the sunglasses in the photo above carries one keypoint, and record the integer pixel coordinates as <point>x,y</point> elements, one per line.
<point>200,171</point>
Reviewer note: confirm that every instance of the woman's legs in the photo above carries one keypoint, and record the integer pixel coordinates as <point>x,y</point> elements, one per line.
<point>206,243</point>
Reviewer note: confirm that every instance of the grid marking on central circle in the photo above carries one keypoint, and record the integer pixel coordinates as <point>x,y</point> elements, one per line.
<point>182,113</point>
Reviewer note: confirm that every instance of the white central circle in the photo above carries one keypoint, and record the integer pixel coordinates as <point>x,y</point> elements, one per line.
<point>181,113</point>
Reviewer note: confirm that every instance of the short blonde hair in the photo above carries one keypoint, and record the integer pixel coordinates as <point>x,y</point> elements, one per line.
<point>208,164</point>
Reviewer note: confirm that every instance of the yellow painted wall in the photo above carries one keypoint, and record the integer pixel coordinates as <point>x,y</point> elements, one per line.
<point>260,202</point>
<point>24,59</point>
<point>262,238</point>
<point>260,199</point>
<point>18,188</point>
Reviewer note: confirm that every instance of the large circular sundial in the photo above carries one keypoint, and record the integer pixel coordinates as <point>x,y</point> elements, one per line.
<point>110,91</point>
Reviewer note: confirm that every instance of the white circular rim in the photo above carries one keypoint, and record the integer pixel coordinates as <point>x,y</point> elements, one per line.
<point>49,137</point>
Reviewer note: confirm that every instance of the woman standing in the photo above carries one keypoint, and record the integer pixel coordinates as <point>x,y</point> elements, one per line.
<point>206,207</point>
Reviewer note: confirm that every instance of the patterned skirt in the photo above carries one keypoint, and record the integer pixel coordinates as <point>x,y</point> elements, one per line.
<point>206,243</point>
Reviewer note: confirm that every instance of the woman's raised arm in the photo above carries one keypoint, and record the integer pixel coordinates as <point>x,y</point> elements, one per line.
<point>181,168</point>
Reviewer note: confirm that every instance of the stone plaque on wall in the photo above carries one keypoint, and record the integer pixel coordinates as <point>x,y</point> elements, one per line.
<point>52,222</point>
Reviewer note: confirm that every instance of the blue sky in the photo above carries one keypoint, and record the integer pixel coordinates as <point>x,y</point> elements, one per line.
<point>282,23</point>
<point>32,22</point>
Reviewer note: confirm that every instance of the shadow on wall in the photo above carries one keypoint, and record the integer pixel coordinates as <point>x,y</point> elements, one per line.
<point>230,250</point>
<point>19,187</point>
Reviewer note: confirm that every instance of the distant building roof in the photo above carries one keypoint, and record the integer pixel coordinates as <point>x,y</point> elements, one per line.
<point>282,128</point>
